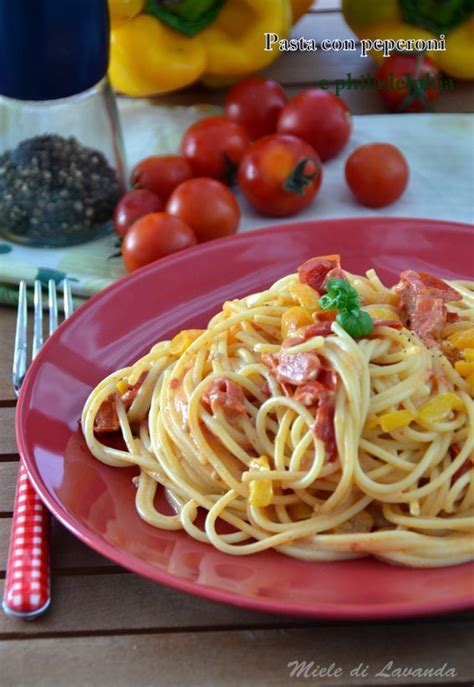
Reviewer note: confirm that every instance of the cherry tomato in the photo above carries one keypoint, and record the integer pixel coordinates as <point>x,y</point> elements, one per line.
<point>320,118</point>
<point>408,82</point>
<point>208,206</point>
<point>280,175</point>
<point>133,205</point>
<point>161,174</point>
<point>377,174</point>
<point>255,103</point>
<point>214,147</point>
<point>154,236</point>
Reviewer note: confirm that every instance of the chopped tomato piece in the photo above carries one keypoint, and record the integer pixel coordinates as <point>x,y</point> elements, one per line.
<point>324,427</point>
<point>325,316</point>
<point>129,396</point>
<point>225,394</point>
<point>422,301</point>
<point>328,378</point>
<point>297,368</point>
<point>317,329</point>
<point>309,394</point>
<point>316,271</point>
<point>106,419</point>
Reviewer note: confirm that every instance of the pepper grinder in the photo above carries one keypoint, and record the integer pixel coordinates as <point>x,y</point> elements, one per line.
<point>61,151</point>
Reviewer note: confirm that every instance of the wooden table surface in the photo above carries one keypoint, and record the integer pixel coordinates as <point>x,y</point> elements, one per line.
<point>107,626</point>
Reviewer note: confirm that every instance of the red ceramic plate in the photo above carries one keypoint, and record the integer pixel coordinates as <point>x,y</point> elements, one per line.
<point>96,502</point>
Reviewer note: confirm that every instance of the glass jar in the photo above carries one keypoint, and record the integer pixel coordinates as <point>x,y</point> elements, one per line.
<point>61,152</point>
<point>61,168</point>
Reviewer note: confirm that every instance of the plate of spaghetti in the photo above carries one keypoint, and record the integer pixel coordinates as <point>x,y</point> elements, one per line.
<point>282,420</point>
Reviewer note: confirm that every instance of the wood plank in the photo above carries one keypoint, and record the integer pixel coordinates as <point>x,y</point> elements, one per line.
<point>361,102</point>
<point>68,553</point>
<point>8,474</point>
<point>7,432</point>
<point>240,658</point>
<point>7,337</point>
<point>124,602</point>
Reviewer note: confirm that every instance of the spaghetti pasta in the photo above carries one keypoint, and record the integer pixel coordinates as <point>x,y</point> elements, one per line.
<point>275,427</point>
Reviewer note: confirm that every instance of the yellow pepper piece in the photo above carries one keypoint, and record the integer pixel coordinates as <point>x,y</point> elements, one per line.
<point>235,41</point>
<point>470,381</point>
<point>395,420</point>
<point>122,386</point>
<point>468,353</point>
<point>261,490</point>
<point>464,368</point>
<point>383,314</point>
<point>183,340</point>
<point>438,407</point>
<point>147,57</point>
<point>305,295</point>
<point>121,10</point>
<point>464,339</point>
<point>293,319</point>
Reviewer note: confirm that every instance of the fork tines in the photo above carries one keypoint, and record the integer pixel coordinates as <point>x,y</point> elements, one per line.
<point>20,362</point>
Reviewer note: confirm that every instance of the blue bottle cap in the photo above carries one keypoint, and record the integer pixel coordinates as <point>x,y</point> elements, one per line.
<point>52,48</point>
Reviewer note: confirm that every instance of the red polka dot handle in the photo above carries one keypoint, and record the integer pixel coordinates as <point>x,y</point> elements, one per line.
<point>27,583</point>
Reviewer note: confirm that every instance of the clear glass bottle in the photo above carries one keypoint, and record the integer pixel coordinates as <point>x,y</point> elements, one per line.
<point>61,152</point>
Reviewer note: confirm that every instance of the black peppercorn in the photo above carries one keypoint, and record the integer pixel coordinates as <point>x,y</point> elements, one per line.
<point>55,190</point>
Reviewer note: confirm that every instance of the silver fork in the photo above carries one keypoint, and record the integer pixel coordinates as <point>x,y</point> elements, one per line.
<point>27,592</point>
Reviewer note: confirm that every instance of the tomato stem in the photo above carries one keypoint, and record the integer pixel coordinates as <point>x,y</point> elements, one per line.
<point>417,87</point>
<point>297,180</point>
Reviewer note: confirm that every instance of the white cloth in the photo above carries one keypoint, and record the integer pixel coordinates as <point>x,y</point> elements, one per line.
<point>439,149</point>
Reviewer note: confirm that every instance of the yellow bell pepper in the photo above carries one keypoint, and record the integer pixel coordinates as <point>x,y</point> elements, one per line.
<point>463,339</point>
<point>147,57</point>
<point>305,295</point>
<point>293,319</point>
<point>464,367</point>
<point>183,340</point>
<point>156,49</point>
<point>402,19</point>
<point>396,420</point>
<point>121,10</point>
<point>439,407</point>
<point>383,314</point>
<point>122,386</point>
<point>470,381</point>
<point>261,490</point>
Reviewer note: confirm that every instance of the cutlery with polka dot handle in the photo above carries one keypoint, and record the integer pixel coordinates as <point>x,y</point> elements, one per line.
<point>27,592</point>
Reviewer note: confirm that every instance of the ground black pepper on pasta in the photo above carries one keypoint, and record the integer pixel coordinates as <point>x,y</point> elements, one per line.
<point>54,189</point>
